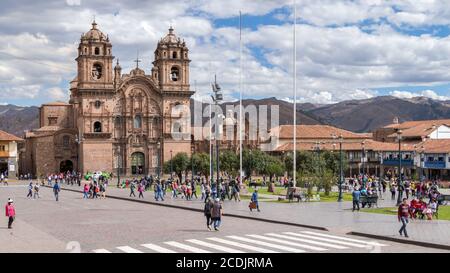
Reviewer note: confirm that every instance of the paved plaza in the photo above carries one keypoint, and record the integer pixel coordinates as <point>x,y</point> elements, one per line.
<point>74,224</point>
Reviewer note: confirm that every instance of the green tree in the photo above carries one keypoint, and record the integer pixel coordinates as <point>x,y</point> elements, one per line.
<point>273,166</point>
<point>180,163</point>
<point>201,164</point>
<point>229,162</point>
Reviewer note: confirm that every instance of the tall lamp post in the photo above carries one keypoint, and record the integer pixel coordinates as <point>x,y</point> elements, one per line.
<point>217,97</point>
<point>341,171</point>
<point>171,165</point>
<point>118,166</point>
<point>158,167</point>
<point>192,163</point>
<point>400,183</point>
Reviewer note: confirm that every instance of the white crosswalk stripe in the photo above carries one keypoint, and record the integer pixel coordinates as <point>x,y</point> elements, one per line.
<point>252,241</point>
<point>271,242</point>
<point>344,238</point>
<point>187,247</point>
<point>315,248</point>
<point>244,246</point>
<point>217,247</point>
<point>307,241</point>
<point>341,242</point>
<point>128,249</point>
<point>101,250</point>
<point>158,248</point>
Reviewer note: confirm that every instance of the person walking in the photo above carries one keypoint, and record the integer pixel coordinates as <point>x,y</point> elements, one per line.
<point>132,187</point>
<point>403,214</point>
<point>141,190</point>
<point>207,212</point>
<point>36,190</point>
<point>30,190</point>
<point>158,192</point>
<point>10,212</point>
<point>356,195</point>
<point>194,190</point>
<point>254,201</point>
<point>216,213</point>
<point>56,190</point>
<point>203,191</point>
<point>392,189</point>
<point>103,187</point>
<point>86,191</point>
<point>236,192</point>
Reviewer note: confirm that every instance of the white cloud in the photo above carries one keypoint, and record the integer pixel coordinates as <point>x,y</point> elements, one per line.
<point>73,2</point>
<point>334,63</point>
<point>57,93</point>
<point>425,93</point>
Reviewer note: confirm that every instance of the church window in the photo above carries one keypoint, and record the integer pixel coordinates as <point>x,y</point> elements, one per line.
<point>174,74</point>
<point>52,121</point>
<point>109,51</point>
<point>85,50</point>
<point>164,54</point>
<point>98,104</point>
<point>137,121</point>
<point>97,127</point>
<point>97,51</point>
<point>174,55</point>
<point>66,141</point>
<point>96,71</point>
<point>185,54</point>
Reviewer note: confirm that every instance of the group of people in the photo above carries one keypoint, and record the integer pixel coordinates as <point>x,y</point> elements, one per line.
<point>95,190</point>
<point>416,208</point>
<point>69,178</point>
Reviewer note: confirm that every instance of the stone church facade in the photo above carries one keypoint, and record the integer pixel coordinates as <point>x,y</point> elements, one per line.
<point>114,121</point>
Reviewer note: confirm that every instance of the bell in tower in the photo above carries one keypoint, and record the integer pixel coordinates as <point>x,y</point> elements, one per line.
<point>171,65</point>
<point>95,60</point>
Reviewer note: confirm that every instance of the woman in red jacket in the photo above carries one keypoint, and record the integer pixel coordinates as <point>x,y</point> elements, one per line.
<point>10,212</point>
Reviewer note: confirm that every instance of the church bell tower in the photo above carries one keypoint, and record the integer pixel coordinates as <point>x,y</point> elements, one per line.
<point>95,61</point>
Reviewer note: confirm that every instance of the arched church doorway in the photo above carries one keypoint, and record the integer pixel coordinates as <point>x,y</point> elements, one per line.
<point>65,166</point>
<point>137,163</point>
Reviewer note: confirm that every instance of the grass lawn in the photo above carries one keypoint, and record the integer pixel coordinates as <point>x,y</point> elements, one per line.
<point>444,211</point>
<point>333,197</point>
<point>263,190</point>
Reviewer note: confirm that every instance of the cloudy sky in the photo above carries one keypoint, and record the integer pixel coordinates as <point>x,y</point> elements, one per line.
<point>345,49</point>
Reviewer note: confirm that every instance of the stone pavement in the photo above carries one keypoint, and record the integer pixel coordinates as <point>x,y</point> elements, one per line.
<point>333,216</point>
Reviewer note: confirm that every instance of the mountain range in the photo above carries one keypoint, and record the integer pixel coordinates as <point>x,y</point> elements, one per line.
<point>353,115</point>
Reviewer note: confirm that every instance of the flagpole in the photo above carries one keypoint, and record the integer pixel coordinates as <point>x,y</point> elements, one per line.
<point>240,97</point>
<point>294,170</point>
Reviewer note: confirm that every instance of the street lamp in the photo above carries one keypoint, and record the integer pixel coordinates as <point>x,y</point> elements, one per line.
<point>171,166</point>
<point>400,183</point>
<point>118,166</point>
<point>217,97</point>
<point>341,171</point>
<point>363,157</point>
<point>192,163</point>
<point>422,163</point>
<point>158,166</point>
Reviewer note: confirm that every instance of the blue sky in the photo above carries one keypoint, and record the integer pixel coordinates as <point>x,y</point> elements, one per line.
<point>346,49</point>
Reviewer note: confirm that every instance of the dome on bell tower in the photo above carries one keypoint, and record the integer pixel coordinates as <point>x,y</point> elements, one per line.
<point>94,34</point>
<point>170,38</point>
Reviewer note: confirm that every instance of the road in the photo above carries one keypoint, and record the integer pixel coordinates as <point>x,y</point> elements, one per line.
<point>78,225</point>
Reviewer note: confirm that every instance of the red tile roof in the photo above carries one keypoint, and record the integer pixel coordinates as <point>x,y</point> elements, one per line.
<point>369,145</point>
<point>315,132</point>
<point>4,136</point>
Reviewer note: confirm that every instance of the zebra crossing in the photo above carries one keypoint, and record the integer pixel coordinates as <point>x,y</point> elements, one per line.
<point>296,242</point>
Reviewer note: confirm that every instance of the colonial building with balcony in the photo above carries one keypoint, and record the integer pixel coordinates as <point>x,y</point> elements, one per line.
<point>8,154</point>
